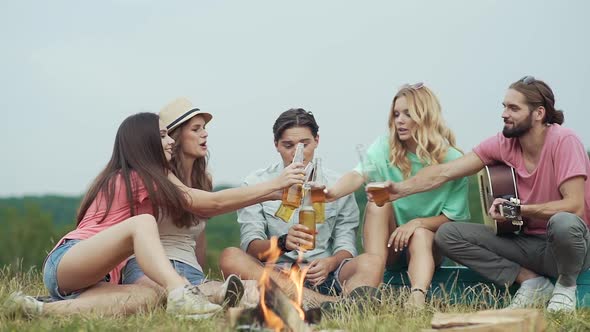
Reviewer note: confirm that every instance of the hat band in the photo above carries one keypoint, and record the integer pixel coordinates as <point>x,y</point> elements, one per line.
<point>173,123</point>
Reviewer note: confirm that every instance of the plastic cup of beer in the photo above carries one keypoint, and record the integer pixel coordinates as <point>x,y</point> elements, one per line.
<point>379,192</point>
<point>374,180</point>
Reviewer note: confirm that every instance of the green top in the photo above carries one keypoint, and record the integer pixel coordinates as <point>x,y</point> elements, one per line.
<point>449,199</point>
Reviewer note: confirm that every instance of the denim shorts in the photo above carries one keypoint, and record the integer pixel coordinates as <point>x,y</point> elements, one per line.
<point>50,272</point>
<point>330,286</point>
<point>132,272</point>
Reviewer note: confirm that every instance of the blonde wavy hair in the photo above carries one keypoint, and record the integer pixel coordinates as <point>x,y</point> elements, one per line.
<point>431,134</point>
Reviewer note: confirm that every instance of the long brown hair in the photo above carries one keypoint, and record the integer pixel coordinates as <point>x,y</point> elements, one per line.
<point>137,148</point>
<point>199,177</point>
<point>431,134</point>
<point>537,94</point>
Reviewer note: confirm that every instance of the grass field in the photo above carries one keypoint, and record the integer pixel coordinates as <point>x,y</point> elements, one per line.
<point>390,316</point>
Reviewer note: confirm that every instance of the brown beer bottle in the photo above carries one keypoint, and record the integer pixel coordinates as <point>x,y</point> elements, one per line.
<point>307,216</point>
<point>292,195</point>
<point>318,197</point>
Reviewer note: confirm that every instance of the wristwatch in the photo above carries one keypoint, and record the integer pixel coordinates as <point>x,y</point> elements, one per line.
<point>282,243</point>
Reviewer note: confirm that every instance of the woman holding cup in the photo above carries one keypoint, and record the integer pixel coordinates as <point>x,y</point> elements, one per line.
<point>402,232</point>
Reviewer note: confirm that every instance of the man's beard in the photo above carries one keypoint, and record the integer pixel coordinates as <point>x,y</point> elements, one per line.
<point>519,130</point>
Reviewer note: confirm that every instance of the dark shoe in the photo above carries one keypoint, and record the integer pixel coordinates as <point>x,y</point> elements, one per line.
<point>234,290</point>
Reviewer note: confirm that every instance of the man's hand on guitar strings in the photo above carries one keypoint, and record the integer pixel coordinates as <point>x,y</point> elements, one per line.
<point>494,211</point>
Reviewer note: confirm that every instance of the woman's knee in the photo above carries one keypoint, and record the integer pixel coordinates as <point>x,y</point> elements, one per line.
<point>370,264</point>
<point>423,234</point>
<point>421,238</point>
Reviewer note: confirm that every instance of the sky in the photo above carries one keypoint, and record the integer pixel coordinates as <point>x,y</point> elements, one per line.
<point>71,71</point>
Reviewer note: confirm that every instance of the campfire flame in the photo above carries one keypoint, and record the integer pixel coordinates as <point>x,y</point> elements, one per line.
<point>296,275</point>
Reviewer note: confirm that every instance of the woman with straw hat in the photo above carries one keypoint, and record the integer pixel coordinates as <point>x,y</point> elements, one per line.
<point>185,246</point>
<point>177,229</point>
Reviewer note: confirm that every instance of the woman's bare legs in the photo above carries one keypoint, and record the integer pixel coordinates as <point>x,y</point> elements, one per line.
<point>107,299</point>
<point>87,262</point>
<point>379,224</point>
<point>421,264</point>
<point>421,258</point>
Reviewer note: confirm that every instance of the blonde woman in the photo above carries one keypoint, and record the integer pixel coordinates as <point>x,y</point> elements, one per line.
<point>402,232</point>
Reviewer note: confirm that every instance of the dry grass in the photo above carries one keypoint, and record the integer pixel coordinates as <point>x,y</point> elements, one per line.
<point>390,316</point>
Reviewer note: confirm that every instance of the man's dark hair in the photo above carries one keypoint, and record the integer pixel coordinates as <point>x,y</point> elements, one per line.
<point>294,117</point>
<point>537,94</point>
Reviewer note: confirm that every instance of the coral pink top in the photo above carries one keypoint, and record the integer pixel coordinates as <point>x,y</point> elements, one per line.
<point>119,212</point>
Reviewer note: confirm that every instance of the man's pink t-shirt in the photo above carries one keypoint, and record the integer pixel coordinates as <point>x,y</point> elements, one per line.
<point>563,157</point>
<point>119,212</point>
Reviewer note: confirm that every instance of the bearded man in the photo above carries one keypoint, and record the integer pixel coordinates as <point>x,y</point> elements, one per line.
<point>551,168</point>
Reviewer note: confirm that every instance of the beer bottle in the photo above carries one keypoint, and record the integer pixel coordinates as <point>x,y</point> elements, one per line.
<point>292,195</point>
<point>318,197</point>
<point>307,215</point>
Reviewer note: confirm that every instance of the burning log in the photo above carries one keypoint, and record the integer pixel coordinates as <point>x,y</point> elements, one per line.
<point>281,305</point>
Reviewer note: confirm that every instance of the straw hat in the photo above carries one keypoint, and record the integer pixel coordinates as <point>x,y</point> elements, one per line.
<point>179,111</point>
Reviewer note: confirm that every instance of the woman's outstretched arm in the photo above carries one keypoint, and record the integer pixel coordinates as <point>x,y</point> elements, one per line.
<point>208,204</point>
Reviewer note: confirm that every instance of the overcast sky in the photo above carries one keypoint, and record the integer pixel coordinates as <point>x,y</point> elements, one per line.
<point>71,71</point>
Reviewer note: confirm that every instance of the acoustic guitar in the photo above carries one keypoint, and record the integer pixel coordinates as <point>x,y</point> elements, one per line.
<point>498,181</point>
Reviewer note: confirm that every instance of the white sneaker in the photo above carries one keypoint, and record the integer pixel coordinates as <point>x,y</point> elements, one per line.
<point>528,296</point>
<point>18,302</point>
<point>232,290</point>
<point>563,299</point>
<point>189,302</point>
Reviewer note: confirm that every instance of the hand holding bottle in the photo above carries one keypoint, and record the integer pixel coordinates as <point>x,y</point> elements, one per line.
<point>299,237</point>
<point>292,175</point>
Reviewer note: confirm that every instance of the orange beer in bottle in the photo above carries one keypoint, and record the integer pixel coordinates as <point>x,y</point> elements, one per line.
<point>291,196</point>
<point>318,197</point>
<point>307,216</point>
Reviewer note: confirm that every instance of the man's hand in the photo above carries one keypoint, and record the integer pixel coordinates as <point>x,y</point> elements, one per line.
<point>297,237</point>
<point>319,269</point>
<point>400,238</point>
<point>390,187</point>
<point>494,211</point>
